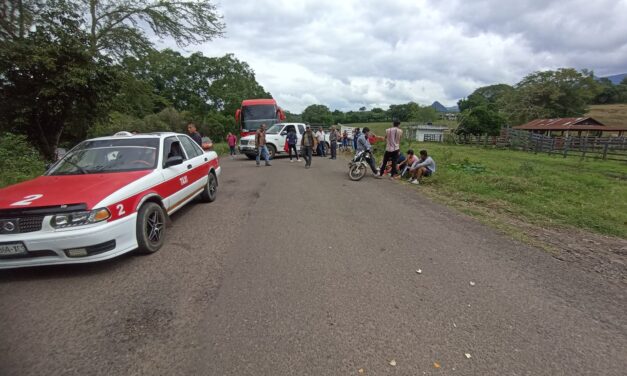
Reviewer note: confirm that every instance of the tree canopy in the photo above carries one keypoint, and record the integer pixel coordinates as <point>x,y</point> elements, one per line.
<point>73,68</point>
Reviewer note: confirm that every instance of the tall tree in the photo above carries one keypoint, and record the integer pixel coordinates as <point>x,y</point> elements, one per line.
<point>552,94</point>
<point>114,25</point>
<point>318,114</point>
<point>51,83</point>
<point>197,83</point>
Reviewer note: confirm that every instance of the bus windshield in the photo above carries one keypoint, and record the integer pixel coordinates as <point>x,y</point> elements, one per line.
<point>254,116</point>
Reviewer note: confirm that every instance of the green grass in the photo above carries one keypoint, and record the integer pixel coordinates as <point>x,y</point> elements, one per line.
<point>541,189</point>
<point>222,148</point>
<point>609,114</point>
<point>379,128</point>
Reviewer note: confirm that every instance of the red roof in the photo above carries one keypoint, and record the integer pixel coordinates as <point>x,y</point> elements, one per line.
<point>568,124</point>
<point>253,102</point>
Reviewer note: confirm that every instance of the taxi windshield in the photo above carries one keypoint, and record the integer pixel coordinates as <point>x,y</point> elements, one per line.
<point>104,156</point>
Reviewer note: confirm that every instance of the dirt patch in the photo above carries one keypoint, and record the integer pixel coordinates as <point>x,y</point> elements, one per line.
<point>591,252</point>
<point>588,251</point>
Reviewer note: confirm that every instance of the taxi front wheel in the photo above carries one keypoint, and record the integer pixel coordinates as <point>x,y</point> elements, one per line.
<point>150,228</point>
<point>211,189</point>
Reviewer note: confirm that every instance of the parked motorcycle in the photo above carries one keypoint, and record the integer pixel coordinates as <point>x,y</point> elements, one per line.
<point>359,165</point>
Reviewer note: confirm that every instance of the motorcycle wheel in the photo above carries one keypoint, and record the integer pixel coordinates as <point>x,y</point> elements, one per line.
<point>356,172</point>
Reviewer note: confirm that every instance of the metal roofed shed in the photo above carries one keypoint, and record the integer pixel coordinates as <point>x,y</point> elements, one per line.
<point>570,126</point>
<point>426,132</point>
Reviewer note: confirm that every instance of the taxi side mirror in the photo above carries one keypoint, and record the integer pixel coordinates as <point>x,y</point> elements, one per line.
<point>173,161</point>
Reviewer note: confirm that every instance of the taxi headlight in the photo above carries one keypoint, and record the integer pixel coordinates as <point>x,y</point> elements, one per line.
<point>80,218</point>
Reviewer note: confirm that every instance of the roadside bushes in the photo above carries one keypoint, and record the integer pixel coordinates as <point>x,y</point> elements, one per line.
<point>19,160</point>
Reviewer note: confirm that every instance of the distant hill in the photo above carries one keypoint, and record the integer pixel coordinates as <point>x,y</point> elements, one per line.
<point>617,78</point>
<point>439,107</point>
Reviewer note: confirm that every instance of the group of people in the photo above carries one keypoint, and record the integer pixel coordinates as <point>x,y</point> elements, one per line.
<point>414,166</point>
<point>394,162</point>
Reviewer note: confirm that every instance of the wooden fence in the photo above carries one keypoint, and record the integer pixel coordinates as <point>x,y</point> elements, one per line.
<point>612,148</point>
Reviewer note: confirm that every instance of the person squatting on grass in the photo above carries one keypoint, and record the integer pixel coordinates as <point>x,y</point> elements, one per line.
<point>260,143</point>
<point>388,166</point>
<point>392,147</point>
<point>291,143</point>
<point>404,165</point>
<point>424,166</point>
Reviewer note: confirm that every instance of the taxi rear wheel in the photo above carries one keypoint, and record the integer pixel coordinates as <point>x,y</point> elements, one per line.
<point>150,228</point>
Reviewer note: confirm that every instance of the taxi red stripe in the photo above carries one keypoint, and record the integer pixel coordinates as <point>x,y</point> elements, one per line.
<point>165,189</point>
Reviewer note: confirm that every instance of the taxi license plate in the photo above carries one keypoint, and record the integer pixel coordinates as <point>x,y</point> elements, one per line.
<point>12,249</point>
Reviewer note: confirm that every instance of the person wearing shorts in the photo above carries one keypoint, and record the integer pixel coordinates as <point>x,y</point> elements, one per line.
<point>424,166</point>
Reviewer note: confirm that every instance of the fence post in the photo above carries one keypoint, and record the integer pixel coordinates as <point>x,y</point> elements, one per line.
<point>584,147</point>
<point>552,146</point>
<point>537,147</point>
<point>566,146</point>
<point>605,149</point>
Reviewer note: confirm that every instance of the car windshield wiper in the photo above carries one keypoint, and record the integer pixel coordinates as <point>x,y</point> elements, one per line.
<point>96,169</point>
<point>77,166</point>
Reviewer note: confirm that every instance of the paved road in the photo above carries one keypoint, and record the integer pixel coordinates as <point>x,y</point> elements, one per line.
<point>302,272</point>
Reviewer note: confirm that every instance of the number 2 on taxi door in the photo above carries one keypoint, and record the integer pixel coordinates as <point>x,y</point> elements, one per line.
<point>121,211</point>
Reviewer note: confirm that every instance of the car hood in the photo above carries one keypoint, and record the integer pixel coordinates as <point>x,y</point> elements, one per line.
<point>252,138</point>
<point>87,189</point>
<point>248,138</point>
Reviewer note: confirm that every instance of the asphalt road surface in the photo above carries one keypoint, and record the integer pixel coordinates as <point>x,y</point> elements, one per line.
<point>303,272</point>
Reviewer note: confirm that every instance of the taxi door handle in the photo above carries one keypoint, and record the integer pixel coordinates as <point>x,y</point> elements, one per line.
<point>189,167</point>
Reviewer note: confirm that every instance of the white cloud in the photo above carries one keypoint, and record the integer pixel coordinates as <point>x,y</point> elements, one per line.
<point>371,53</point>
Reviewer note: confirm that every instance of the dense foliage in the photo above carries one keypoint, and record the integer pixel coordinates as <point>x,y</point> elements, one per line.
<point>76,68</point>
<point>409,112</point>
<point>547,94</point>
<point>19,161</point>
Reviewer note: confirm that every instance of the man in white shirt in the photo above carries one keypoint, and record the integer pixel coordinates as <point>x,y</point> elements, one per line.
<point>320,137</point>
<point>392,147</point>
<point>424,166</point>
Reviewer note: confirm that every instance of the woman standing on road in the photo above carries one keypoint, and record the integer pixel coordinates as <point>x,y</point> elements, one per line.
<point>291,143</point>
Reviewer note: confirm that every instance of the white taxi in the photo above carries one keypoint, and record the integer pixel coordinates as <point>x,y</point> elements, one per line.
<point>105,197</point>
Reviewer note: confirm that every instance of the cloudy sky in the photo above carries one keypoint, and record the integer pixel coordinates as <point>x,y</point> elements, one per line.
<point>351,53</point>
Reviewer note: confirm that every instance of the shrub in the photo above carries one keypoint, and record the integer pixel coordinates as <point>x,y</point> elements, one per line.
<point>19,160</point>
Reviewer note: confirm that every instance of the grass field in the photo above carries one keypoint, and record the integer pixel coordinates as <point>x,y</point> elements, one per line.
<point>609,114</point>
<point>539,189</point>
<point>379,128</point>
